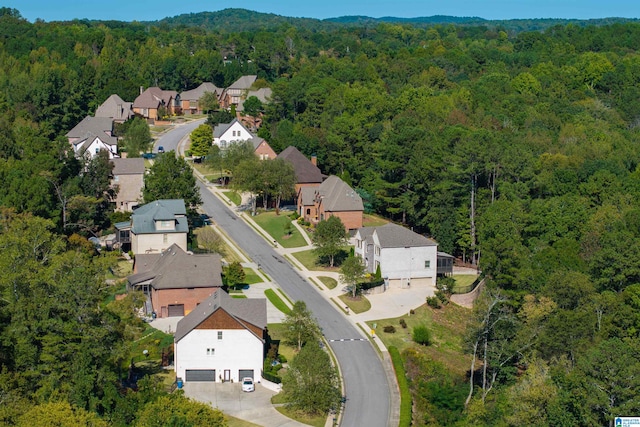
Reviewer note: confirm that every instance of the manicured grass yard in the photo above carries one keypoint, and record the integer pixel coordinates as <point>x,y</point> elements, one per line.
<point>251,277</point>
<point>309,259</point>
<point>277,301</point>
<point>305,419</point>
<point>329,282</point>
<point>275,226</point>
<point>276,332</point>
<point>464,280</point>
<point>447,326</point>
<point>237,422</point>
<point>235,198</point>
<point>358,304</point>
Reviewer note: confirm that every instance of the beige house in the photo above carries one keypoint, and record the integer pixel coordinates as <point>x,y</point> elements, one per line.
<point>154,227</point>
<point>115,108</point>
<point>151,100</point>
<point>128,177</point>
<point>190,98</point>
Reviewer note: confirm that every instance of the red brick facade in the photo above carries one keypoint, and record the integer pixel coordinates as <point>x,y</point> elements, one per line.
<point>352,220</point>
<point>190,297</point>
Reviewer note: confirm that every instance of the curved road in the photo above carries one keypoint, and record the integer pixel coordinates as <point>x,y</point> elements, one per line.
<point>365,382</point>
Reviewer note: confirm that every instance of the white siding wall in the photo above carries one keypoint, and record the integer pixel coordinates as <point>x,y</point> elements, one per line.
<point>407,263</point>
<point>238,349</point>
<point>140,244</point>
<point>235,133</point>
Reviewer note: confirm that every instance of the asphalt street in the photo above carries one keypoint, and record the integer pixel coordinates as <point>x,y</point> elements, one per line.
<point>366,386</point>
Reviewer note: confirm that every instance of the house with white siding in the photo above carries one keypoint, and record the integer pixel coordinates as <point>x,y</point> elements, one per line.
<point>222,339</point>
<point>405,258</point>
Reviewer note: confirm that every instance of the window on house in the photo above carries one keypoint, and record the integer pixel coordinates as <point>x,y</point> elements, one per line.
<point>219,335</point>
<point>165,238</point>
<point>308,211</point>
<point>211,351</point>
<point>377,250</point>
<point>427,264</point>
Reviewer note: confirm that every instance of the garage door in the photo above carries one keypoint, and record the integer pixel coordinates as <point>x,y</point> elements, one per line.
<point>243,373</point>
<point>176,310</point>
<point>200,375</point>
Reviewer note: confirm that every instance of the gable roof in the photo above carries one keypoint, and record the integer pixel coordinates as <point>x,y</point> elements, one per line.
<point>338,196</point>
<point>143,218</point>
<point>249,310</point>
<point>154,97</point>
<point>308,195</point>
<point>176,269</point>
<point>243,82</point>
<point>128,166</point>
<point>115,108</point>
<point>98,126</point>
<point>395,236</point>
<point>196,94</point>
<point>306,172</point>
<point>221,128</point>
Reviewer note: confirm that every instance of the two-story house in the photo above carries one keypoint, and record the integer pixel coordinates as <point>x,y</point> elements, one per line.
<point>222,339</point>
<point>92,135</point>
<point>405,258</point>
<point>128,177</point>
<point>151,100</point>
<point>333,197</point>
<point>154,227</point>
<point>175,282</point>
<point>190,99</point>
<point>226,134</point>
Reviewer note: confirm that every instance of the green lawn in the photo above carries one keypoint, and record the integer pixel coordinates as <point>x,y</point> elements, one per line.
<point>309,259</point>
<point>251,277</point>
<point>303,418</point>
<point>464,280</point>
<point>122,269</point>
<point>447,326</point>
<point>275,226</point>
<point>277,301</point>
<point>276,332</point>
<point>240,296</point>
<point>237,422</point>
<point>152,340</point>
<point>329,282</point>
<point>370,220</point>
<point>234,196</point>
<point>357,305</point>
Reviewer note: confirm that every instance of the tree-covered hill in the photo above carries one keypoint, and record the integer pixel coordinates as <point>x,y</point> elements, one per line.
<point>516,150</point>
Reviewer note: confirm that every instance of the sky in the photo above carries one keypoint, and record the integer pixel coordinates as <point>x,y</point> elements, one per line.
<point>147,10</point>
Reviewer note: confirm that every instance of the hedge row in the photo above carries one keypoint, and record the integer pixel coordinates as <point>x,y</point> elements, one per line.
<point>405,394</point>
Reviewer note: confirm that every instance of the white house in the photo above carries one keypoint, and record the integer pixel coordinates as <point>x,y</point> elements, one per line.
<point>222,339</point>
<point>91,135</point>
<point>405,258</point>
<point>229,133</point>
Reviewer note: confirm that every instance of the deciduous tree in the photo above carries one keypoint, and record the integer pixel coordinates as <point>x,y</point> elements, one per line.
<point>329,238</point>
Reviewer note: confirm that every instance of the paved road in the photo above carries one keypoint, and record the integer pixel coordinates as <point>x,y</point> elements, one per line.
<point>169,140</point>
<point>366,385</point>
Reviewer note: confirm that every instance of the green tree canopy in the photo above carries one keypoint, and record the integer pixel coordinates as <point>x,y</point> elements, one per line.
<point>137,137</point>
<point>329,237</point>
<point>300,326</point>
<point>201,140</point>
<point>171,178</point>
<point>352,273</point>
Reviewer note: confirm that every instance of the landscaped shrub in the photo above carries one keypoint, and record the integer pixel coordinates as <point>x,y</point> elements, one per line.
<point>403,324</point>
<point>421,335</point>
<point>433,302</point>
<point>390,329</point>
<point>412,311</point>
<point>378,273</point>
<point>445,284</point>
<point>442,296</point>
<point>282,359</point>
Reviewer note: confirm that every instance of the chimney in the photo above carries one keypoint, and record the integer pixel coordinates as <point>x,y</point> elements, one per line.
<point>141,89</point>
<point>314,160</point>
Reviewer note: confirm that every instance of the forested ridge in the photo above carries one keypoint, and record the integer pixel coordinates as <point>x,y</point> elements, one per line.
<point>515,150</point>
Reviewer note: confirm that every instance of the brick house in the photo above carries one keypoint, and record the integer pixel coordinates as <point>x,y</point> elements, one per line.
<point>307,172</point>
<point>175,281</point>
<point>189,99</point>
<point>152,99</point>
<point>226,134</point>
<point>331,198</point>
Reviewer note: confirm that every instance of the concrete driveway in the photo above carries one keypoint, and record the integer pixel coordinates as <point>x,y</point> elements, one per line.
<point>230,399</point>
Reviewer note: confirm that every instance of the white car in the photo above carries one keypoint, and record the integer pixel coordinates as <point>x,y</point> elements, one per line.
<point>247,384</point>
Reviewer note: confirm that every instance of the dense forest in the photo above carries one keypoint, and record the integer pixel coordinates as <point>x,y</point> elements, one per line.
<point>517,151</point>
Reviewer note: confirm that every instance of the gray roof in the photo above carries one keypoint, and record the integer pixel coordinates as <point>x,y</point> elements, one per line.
<point>246,311</point>
<point>176,269</point>
<point>221,128</point>
<point>154,97</point>
<point>366,232</point>
<point>196,94</point>
<point>263,94</point>
<point>99,126</point>
<point>143,218</point>
<point>337,196</point>
<point>394,236</point>
<point>132,166</point>
<point>306,172</point>
<point>243,82</point>
<point>115,108</point>
<point>308,195</point>
<point>89,137</point>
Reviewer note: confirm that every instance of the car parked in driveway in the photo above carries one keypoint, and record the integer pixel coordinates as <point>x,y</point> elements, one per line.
<point>247,384</point>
